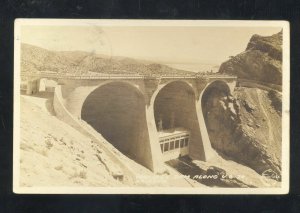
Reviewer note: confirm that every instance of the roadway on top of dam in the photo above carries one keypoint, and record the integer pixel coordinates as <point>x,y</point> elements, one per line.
<point>130,105</point>
<point>126,76</point>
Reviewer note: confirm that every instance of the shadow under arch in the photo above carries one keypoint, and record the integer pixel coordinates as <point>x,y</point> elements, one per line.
<point>175,105</point>
<point>117,111</point>
<point>212,101</point>
<point>160,87</point>
<point>210,95</point>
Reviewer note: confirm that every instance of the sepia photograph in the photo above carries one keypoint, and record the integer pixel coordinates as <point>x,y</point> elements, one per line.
<point>151,107</point>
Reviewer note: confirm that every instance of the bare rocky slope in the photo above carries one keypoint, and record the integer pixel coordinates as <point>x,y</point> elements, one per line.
<point>261,61</point>
<point>36,59</point>
<point>246,127</point>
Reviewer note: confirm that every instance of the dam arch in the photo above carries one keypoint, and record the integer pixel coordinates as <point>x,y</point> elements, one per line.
<point>117,111</point>
<point>216,88</point>
<point>212,108</point>
<point>76,96</point>
<point>175,110</point>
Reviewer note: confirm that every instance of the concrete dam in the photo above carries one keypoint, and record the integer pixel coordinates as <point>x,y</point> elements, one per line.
<point>150,119</point>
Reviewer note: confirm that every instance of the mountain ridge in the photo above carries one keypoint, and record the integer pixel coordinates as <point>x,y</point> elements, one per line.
<point>37,59</point>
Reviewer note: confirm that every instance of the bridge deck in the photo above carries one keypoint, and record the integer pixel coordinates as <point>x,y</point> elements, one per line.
<point>100,77</point>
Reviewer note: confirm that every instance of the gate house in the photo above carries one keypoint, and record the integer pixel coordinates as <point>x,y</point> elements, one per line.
<point>174,143</point>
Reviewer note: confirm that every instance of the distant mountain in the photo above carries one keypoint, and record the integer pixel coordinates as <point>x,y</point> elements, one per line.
<point>261,61</point>
<point>35,59</point>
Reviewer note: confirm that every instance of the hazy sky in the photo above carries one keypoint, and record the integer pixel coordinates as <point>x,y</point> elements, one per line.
<point>170,44</point>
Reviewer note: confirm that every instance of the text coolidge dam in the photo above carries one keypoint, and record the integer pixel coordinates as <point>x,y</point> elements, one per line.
<point>150,119</point>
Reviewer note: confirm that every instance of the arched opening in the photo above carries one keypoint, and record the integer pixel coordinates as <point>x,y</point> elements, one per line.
<point>176,121</point>
<point>117,111</point>
<point>218,109</point>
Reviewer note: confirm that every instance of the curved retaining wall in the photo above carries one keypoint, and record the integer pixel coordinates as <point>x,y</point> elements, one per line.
<point>258,84</point>
<point>63,114</point>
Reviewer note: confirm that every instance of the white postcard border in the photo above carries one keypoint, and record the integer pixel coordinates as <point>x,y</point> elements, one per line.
<point>284,189</point>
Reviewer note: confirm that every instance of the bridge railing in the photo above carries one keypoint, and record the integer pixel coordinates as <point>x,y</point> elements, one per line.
<point>125,76</point>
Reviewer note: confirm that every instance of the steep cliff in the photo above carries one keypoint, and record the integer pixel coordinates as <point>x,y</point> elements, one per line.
<point>261,61</point>
<point>246,127</point>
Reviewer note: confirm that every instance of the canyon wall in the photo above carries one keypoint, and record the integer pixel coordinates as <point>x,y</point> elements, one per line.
<point>246,126</point>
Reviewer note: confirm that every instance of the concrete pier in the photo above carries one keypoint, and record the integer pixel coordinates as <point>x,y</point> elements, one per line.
<point>126,110</point>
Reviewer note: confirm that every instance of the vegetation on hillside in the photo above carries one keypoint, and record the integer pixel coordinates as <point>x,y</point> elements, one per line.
<point>35,59</point>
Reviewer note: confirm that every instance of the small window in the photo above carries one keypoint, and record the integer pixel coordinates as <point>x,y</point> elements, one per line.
<point>162,147</point>
<point>172,145</point>
<point>181,143</point>
<point>186,142</point>
<point>166,147</point>
<point>177,144</point>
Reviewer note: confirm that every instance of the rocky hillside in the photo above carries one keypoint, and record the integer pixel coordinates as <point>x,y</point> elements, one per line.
<point>261,61</point>
<point>36,59</point>
<point>246,126</point>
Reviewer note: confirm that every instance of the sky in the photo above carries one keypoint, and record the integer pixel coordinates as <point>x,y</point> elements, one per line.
<point>167,44</point>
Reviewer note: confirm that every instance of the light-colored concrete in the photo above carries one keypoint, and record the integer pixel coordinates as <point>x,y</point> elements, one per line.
<point>131,125</point>
<point>117,111</point>
<point>157,166</point>
<point>178,99</point>
<point>63,114</point>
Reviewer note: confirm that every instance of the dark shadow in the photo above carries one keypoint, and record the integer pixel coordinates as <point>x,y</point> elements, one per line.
<point>174,107</point>
<point>117,111</point>
<point>213,176</point>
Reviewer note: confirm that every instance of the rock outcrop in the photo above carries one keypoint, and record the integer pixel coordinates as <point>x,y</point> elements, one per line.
<point>246,127</point>
<point>261,61</point>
